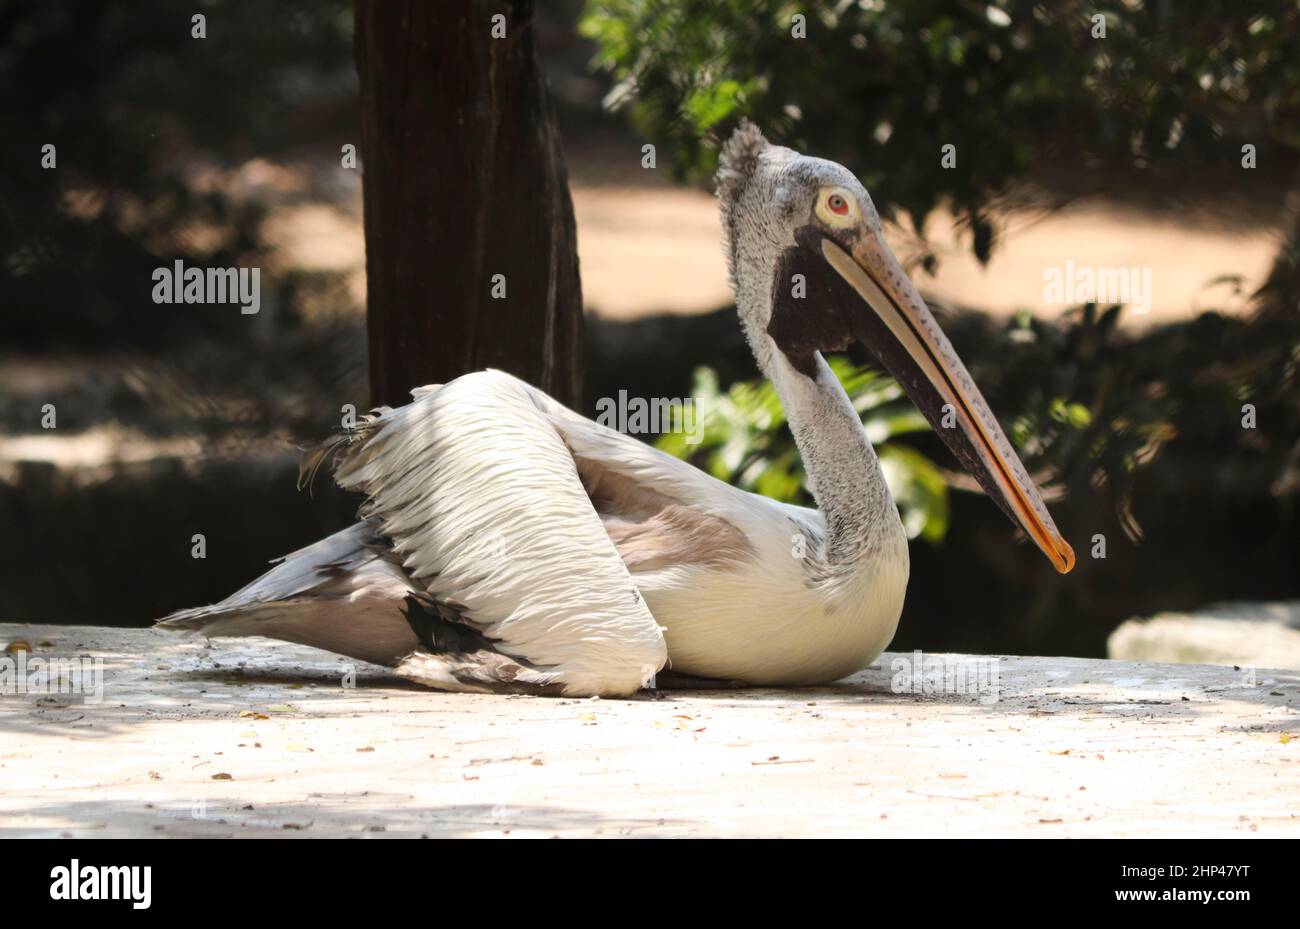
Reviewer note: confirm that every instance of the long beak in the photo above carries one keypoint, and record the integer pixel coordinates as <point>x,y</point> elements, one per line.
<point>900,330</point>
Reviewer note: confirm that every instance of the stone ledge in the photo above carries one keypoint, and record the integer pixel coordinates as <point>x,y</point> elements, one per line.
<point>1244,634</point>
<point>256,738</point>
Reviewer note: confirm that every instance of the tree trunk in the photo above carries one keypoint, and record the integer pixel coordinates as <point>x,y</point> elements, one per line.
<point>471,251</point>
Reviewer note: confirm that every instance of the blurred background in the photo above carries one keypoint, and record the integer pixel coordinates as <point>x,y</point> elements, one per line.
<point>1167,435</point>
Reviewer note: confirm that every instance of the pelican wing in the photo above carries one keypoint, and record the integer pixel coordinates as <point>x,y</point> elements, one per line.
<point>483,504</point>
<point>662,511</point>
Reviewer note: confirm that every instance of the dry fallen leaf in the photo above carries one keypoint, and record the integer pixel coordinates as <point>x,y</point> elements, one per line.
<point>677,722</point>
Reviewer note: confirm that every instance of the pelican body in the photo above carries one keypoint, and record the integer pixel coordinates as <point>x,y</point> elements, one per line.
<point>507,544</point>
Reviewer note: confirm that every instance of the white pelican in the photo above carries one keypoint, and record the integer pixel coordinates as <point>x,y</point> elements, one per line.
<point>508,544</point>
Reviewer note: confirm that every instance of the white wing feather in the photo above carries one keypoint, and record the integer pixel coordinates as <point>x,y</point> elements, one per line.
<point>482,501</point>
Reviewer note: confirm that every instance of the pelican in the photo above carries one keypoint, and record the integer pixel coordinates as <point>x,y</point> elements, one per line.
<point>507,544</point>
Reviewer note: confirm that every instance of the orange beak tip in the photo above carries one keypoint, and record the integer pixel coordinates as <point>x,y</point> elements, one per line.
<point>1065,564</point>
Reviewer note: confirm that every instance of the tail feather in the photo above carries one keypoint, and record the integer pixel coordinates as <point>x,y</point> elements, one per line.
<point>343,594</point>
<point>347,595</point>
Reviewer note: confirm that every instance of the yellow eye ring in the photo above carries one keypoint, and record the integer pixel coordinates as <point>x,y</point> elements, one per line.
<point>838,207</point>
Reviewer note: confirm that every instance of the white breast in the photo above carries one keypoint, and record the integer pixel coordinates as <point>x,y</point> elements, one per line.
<point>776,620</point>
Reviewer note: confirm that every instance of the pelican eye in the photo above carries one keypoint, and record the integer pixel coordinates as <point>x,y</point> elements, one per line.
<point>837,207</point>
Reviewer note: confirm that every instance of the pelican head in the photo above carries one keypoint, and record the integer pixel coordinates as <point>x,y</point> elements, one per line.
<point>812,272</point>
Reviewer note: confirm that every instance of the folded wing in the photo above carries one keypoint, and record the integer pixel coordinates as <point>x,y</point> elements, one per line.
<point>481,500</point>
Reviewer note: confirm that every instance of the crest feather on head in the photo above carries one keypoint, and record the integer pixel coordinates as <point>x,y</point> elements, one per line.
<point>739,160</point>
<point>736,166</point>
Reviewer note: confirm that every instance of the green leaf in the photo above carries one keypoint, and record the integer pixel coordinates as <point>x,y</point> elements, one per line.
<point>919,489</point>
<point>709,106</point>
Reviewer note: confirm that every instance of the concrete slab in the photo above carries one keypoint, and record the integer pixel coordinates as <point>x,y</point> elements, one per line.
<point>257,738</point>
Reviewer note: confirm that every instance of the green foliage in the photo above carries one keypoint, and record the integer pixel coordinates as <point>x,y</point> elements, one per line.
<point>1013,84</point>
<point>745,440</point>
